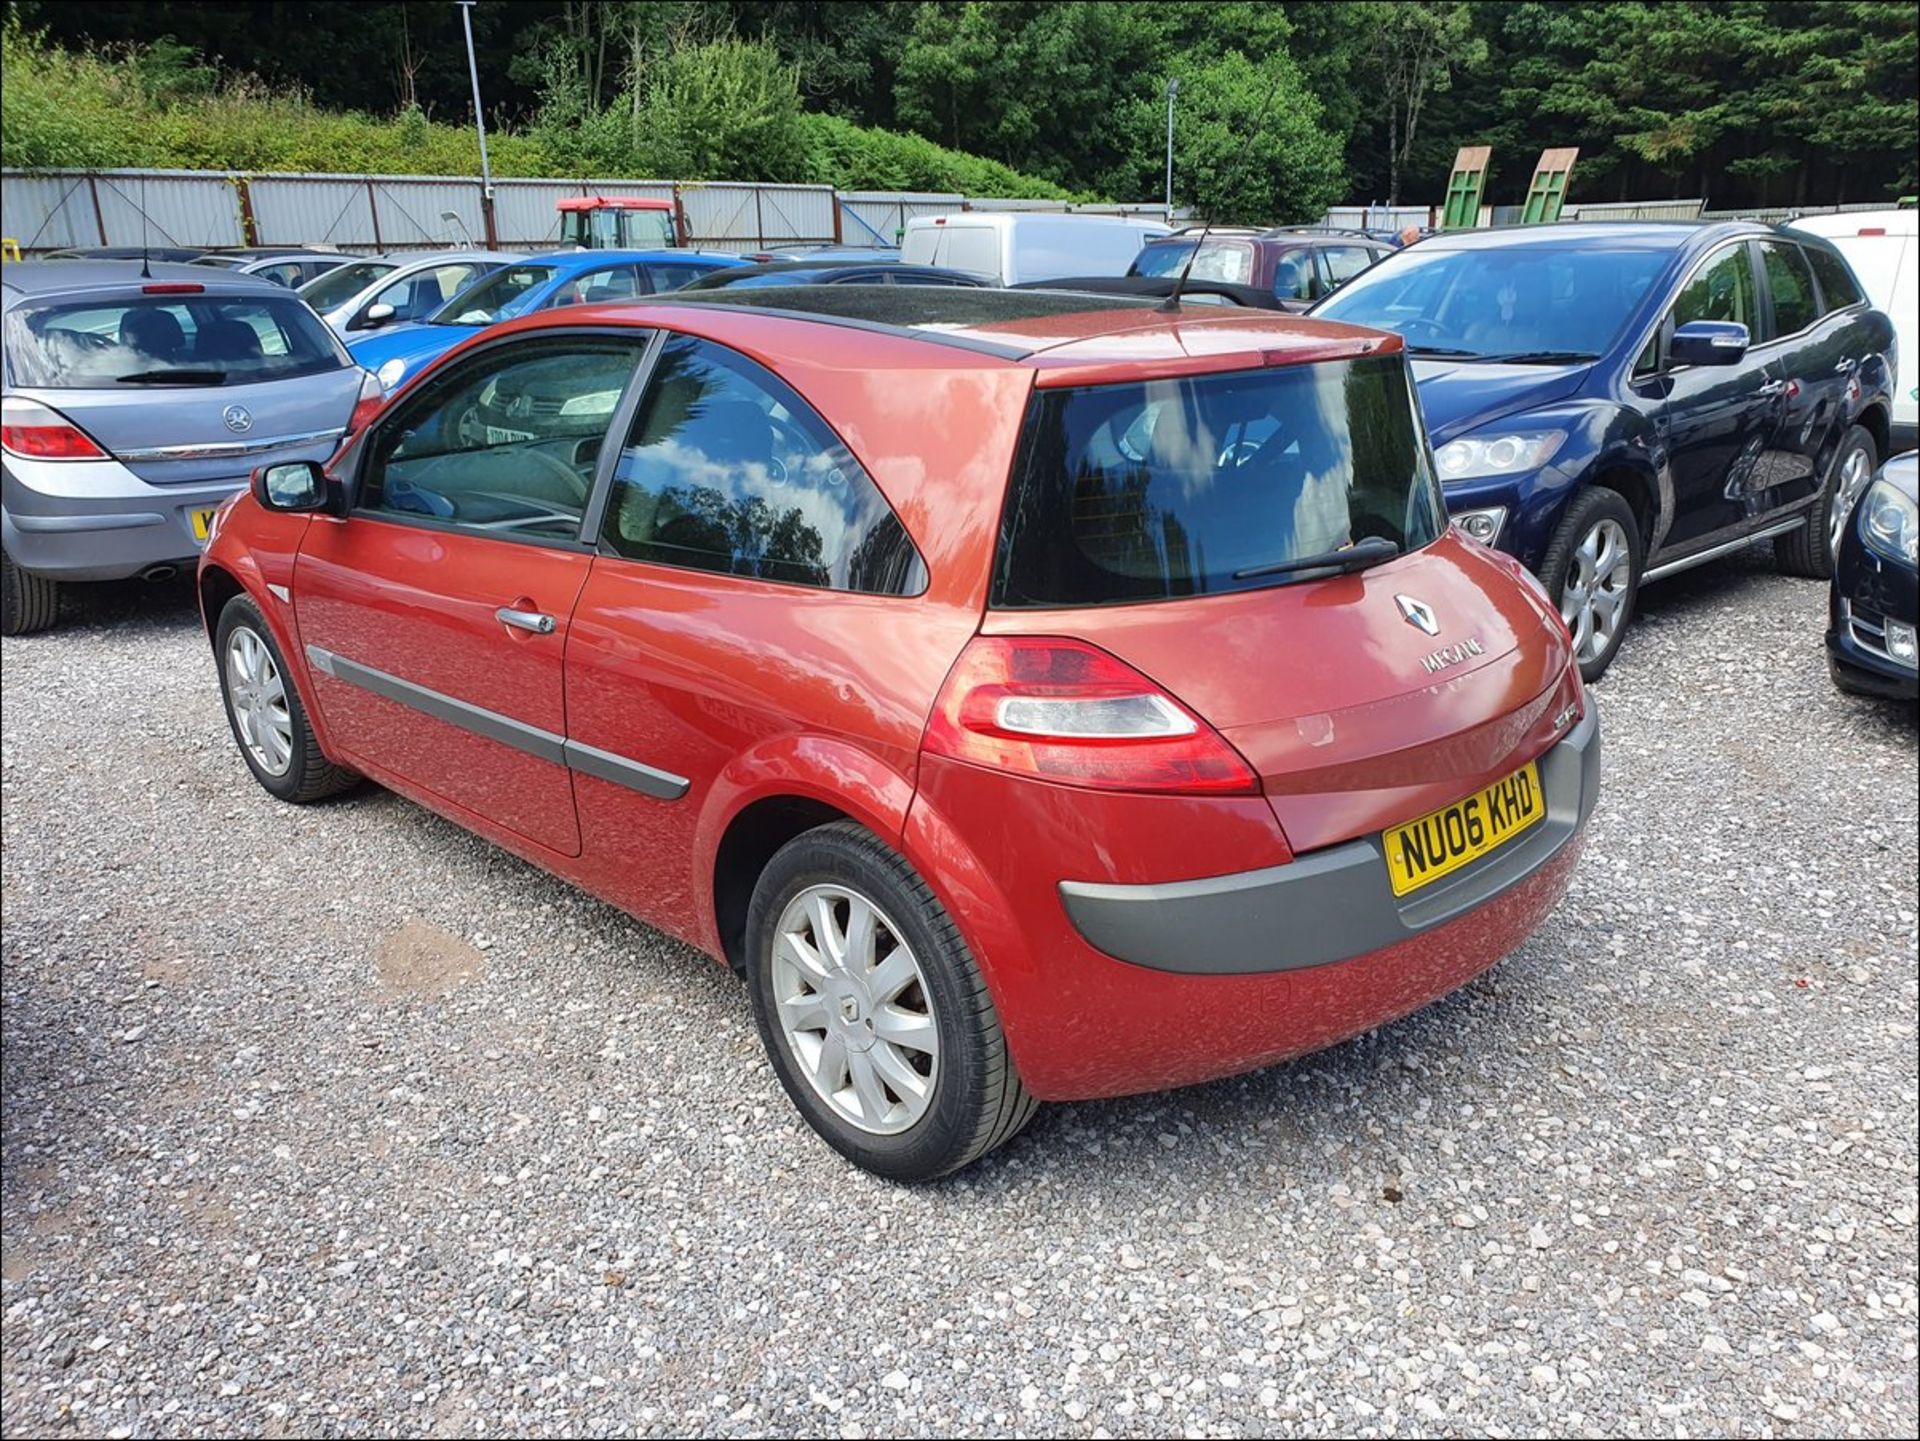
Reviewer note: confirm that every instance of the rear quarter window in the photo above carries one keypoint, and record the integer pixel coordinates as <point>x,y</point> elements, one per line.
<point>1838,288</point>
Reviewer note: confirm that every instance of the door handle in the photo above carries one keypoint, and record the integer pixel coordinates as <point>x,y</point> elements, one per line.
<point>536,621</point>
<point>1841,367</point>
<point>1773,387</point>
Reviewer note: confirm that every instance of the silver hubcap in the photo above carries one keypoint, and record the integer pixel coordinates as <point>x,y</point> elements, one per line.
<point>1852,481</point>
<point>855,1010</point>
<point>257,697</point>
<point>1594,599</point>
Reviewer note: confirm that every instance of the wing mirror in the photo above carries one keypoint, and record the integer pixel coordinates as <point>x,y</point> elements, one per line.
<point>378,315</point>
<point>1709,342</point>
<point>294,486</point>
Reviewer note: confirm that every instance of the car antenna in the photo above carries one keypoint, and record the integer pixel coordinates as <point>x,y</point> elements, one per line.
<point>146,270</point>
<point>1172,302</point>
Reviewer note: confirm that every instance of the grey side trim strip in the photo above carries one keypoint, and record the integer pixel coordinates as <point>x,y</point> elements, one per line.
<point>228,448</point>
<point>592,761</point>
<point>1714,552</point>
<point>129,520</point>
<point>543,744</point>
<point>1329,905</point>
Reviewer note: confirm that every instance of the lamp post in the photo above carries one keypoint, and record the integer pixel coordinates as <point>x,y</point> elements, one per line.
<point>479,125</point>
<point>479,120</point>
<point>1173,89</point>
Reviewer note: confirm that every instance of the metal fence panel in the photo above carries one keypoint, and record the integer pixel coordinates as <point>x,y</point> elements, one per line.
<point>313,210</point>
<point>411,213</point>
<point>879,217</point>
<point>523,213</point>
<point>47,211</point>
<point>1638,210</point>
<point>180,209</point>
<point>1377,217</point>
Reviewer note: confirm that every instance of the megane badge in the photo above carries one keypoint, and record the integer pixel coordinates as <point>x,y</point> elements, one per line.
<point>238,418</point>
<point>1418,613</point>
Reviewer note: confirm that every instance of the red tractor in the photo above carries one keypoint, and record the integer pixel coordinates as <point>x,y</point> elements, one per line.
<point>618,222</point>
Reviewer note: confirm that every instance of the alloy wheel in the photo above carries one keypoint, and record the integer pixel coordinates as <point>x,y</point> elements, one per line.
<point>1848,486</point>
<point>855,1010</point>
<point>257,696</point>
<point>1593,602</point>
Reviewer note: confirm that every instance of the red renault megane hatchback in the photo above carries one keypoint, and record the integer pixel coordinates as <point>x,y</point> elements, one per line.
<point>1033,697</point>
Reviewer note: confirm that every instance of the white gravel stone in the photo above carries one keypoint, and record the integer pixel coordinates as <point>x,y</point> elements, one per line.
<point>416,1140</point>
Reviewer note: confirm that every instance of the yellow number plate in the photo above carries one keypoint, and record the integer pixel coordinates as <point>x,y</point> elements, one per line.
<point>202,522</point>
<point>1427,849</point>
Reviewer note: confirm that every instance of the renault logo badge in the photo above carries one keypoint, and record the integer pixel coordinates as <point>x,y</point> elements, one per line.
<point>1418,613</point>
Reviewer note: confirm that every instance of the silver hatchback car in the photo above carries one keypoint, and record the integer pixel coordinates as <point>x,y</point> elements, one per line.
<point>132,405</point>
<point>365,294</point>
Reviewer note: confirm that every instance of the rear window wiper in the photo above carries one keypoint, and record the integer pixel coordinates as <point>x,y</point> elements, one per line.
<point>173,377</point>
<point>1361,555</point>
<point>1541,357</point>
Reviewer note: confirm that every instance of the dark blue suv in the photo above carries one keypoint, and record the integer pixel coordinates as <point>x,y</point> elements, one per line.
<point>1615,402</point>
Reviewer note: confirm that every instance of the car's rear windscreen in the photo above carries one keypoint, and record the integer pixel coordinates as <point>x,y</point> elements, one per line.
<point>161,340</point>
<point>1165,488</point>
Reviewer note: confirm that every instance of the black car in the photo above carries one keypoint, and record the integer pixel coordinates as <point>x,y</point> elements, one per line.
<point>1613,402</point>
<point>809,272</point>
<point>1875,604</point>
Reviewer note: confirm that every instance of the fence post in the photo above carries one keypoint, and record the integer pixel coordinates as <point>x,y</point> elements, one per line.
<point>249,229</point>
<point>486,216</point>
<point>373,215</point>
<point>99,220</point>
<point>837,203</point>
<point>680,217</point>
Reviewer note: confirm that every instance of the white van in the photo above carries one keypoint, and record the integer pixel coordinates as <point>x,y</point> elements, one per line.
<point>1012,247</point>
<point>1883,247</point>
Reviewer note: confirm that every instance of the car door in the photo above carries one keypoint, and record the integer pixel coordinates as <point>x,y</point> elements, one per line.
<point>435,614</point>
<point>746,559</point>
<point>1715,419</point>
<point>1812,366</point>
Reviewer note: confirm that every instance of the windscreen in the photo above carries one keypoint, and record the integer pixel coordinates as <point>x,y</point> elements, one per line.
<point>343,282</point>
<point>1545,302</point>
<point>160,340</point>
<point>1228,260</point>
<point>1168,488</point>
<point>502,294</point>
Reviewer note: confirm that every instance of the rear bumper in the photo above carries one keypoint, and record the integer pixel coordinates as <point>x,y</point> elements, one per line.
<point>1082,1023</point>
<point>107,526</point>
<point>1328,905</point>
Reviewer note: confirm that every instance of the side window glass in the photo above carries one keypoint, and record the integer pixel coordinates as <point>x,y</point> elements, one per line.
<point>620,282</point>
<point>1293,275</point>
<point>1791,285</point>
<point>505,445</point>
<point>1344,262</point>
<point>726,469</point>
<point>1648,361</point>
<point>672,277</point>
<point>1838,288</point>
<point>1722,289</point>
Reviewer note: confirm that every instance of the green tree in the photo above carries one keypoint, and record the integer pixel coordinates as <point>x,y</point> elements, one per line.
<point>1412,51</point>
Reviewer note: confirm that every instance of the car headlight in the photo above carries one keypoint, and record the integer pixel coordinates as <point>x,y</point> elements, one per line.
<point>1484,524</point>
<point>1473,456</point>
<point>1890,523</point>
<point>389,374</point>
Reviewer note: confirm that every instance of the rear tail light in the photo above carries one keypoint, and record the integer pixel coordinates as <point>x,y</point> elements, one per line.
<point>34,431</point>
<point>1063,710</point>
<point>372,393</point>
<point>1874,230</point>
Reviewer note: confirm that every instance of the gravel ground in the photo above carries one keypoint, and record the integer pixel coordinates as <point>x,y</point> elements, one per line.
<point>340,1121</point>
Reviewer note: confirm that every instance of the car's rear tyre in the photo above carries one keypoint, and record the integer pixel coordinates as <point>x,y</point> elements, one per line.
<point>269,722</point>
<point>1592,571</point>
<point>873,1011</point>
<point>27,602</point>
<point>1811,549</point>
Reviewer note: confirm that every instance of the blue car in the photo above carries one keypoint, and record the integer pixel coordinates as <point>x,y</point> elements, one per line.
<point>1615,402</point>
<point>540,282</point>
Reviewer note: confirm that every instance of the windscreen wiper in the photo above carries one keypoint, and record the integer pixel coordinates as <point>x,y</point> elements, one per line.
<point>1361,555</point>
<point>1541,357</point>
<point>173,377</point>
<point>1446,352</point>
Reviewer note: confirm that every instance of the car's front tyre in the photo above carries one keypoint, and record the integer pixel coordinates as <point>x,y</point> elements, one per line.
<point>27,602</point>
<point>873,1011</point>
<point>263,705</point>
<point>1592,570</point>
